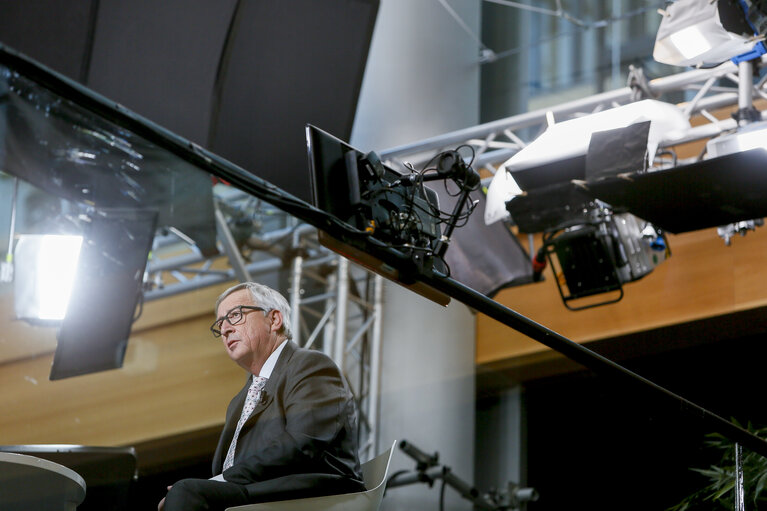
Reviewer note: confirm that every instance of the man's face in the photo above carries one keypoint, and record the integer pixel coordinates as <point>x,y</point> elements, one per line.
<point>251,340</point>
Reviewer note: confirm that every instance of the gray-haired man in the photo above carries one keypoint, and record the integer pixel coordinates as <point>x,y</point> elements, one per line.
<point>291,431</point>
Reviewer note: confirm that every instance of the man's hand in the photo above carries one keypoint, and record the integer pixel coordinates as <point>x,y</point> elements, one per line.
<point>161,505</point>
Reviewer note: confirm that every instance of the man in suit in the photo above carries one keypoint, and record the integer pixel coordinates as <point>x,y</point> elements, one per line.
<point>291,431</point>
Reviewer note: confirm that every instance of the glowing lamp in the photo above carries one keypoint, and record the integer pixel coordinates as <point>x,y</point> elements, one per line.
<point>752,136</point>
<point>44,275</point>
<point>701,32</point>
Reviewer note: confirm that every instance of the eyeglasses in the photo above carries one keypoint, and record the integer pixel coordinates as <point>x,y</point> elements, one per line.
<point>233,317</point>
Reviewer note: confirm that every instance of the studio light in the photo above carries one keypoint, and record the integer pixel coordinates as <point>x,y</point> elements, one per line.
<point>559,154</point>
<point>751,136</point>
<point>44,275</point>
<point>592,249</point>
<point>702,32</point>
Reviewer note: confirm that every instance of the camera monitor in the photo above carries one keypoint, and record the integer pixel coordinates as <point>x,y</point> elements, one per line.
<point>369,197</point>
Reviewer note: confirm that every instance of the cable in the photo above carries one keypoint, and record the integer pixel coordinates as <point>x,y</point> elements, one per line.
<point>140,307</point>
<point>447,273</point>
<point>392,478</point>
<point>441,217</point>
<point>473,153</point>
<point>442,495</point>
<point>463,24</point>
<point>579,27</point>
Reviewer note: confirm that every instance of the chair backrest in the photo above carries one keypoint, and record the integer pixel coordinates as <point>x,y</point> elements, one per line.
<point>374,474</point>
<point>374,471</point>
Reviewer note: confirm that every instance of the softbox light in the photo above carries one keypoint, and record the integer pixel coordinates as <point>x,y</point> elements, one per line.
<point>94,334</point>
<point>559,154</point>
<point>45,268</point>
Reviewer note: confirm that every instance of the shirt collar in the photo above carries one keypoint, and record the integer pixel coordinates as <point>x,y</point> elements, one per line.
<point>268,367</point>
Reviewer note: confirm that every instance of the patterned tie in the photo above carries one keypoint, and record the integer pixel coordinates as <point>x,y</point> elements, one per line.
<point>250,404</point>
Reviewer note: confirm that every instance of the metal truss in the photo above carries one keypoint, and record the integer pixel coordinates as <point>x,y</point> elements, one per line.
<point>340,311</point>
<point>496,141</point>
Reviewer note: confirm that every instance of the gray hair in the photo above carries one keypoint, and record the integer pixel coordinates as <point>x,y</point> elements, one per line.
<point>265,297</point>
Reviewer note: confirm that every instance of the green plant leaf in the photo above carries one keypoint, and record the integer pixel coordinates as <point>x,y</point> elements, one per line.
<point>724,490</point>
<point>721,477</point>
<point>760,485</point>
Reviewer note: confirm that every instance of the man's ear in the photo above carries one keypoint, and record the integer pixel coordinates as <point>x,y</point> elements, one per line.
<point>275,320</point>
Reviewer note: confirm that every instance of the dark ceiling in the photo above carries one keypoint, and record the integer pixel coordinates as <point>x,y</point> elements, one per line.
<point>239,77</point>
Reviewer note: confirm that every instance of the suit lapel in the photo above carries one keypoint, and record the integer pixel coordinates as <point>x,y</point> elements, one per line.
<point>280,366</point>
<point>267,396</point>
<point>239,402</point>
<point>269,390</point>
<point>263,402</point>
<point>229,427</point>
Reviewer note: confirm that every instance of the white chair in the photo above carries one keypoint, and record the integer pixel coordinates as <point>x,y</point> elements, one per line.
<point>374,474</point>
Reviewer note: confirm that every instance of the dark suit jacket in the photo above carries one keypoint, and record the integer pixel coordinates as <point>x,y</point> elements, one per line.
<point>301,439</point>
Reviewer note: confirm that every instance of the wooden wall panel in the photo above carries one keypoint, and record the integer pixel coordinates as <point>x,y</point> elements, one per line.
<point>19,340</point>
<point>703,278</point>
<point>176,378</point>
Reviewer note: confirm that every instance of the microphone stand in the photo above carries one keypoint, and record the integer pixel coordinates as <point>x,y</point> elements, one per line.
<point>428,470</point>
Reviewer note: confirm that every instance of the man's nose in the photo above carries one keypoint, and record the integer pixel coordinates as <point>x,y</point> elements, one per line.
<point>226,328</point>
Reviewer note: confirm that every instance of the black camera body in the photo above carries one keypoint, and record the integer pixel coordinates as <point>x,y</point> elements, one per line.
<point>390,206</point>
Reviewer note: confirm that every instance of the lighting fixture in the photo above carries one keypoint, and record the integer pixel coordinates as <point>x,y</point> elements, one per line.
<point>44,275</point>
<point>706,33</point>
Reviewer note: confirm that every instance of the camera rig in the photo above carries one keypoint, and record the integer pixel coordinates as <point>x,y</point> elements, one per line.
<point>402,211</point>
<point>386,220</point>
